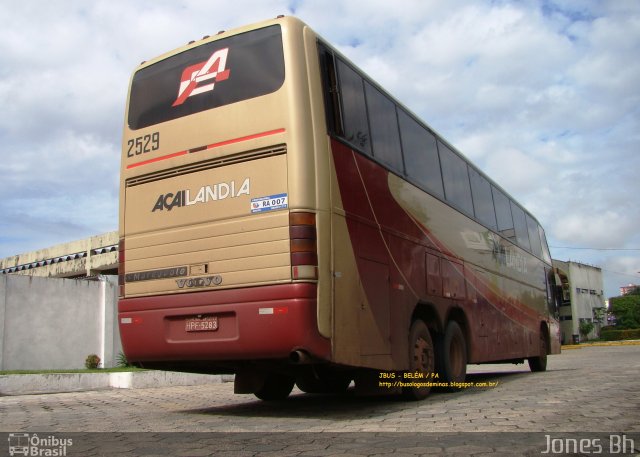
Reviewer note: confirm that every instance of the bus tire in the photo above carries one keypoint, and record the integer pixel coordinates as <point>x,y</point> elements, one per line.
<point>539,363</point>
<point>451,356</point>
<point>276,387</point>
<point>421,359</point>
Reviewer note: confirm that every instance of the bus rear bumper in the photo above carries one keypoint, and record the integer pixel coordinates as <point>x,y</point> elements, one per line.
<point>254,323</point>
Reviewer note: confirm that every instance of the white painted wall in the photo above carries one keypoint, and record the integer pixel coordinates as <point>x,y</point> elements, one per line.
<point>53,323</point>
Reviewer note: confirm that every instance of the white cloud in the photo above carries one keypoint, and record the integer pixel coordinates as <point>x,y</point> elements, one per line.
<point>585,226</point>
<point>542,96</point>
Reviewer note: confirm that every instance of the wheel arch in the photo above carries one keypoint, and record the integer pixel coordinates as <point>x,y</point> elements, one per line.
<point>544,333</point>
<point>427,312</point>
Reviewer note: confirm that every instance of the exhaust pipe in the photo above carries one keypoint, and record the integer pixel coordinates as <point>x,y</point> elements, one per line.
<point>300,357</point>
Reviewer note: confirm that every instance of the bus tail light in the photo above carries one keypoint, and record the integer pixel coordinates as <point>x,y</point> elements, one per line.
<point>304,248</point>
<point>121,268</point>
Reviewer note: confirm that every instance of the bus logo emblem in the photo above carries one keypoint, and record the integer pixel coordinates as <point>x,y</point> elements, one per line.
<point>194,75</point>
<point>206,281</point>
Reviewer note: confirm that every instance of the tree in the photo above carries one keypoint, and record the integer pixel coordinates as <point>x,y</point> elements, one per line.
<point>585,328</point>
<point>626,308</point>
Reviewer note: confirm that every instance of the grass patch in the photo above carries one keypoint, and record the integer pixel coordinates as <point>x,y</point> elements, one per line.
<point>84,370</point>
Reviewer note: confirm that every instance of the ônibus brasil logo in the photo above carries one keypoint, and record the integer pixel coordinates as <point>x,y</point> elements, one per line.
<point>193,76</point>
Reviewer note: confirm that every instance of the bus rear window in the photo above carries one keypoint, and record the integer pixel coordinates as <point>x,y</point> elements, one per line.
<point>209,76</point>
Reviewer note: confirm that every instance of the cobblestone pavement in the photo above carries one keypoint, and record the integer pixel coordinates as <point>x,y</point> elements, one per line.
<point>589,396</point>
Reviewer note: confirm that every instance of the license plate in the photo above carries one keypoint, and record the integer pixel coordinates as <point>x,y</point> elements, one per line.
<point>201,324</point>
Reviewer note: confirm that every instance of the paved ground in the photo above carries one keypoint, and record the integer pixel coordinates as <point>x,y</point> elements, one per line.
<point>590,394</point>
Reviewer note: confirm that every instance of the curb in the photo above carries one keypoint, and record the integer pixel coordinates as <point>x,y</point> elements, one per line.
<point>28,384</point>
<point>603,343</point>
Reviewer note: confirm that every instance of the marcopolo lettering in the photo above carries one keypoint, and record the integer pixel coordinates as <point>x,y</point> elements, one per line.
<point>156,274</point>
<point>205,194</point>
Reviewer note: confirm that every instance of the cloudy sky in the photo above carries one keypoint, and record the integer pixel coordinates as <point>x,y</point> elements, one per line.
<point>544,96</point>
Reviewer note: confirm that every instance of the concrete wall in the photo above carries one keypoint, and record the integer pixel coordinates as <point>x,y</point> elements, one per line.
<point>53,323</point>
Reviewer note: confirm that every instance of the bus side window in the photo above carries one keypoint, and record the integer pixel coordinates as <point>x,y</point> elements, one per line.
<point>455,175</point>
<point>534,236</point>
<point>383,122</point>
<point>331,91</point>
<point>546,255</point>
<point>420,154</point>
<point>503,215</point>
<point>354,113</point>
<point>520,225</point>
<point>482,199</point>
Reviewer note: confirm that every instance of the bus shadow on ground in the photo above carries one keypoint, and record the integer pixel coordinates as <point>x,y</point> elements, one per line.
<point>349,405</point>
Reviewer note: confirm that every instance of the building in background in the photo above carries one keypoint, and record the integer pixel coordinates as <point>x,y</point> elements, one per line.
<point>93,256</point>
<point>624,290</point>
<point>582,299</point>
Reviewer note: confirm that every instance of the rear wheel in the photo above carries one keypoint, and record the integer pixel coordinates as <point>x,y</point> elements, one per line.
<point>276,387</point>
<point>539,363</point>
<point>421,359</point>
<point>451,364</point>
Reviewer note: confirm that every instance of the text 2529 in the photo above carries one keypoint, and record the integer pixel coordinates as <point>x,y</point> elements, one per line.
<point>143,144</point>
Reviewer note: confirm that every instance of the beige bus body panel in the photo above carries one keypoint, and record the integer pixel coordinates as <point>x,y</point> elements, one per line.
<point>323,166</point>
<point>221,237</point>
<point>357,340</point>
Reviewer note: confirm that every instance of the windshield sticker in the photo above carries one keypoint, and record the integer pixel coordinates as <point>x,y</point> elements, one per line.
<point>269,203</point>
